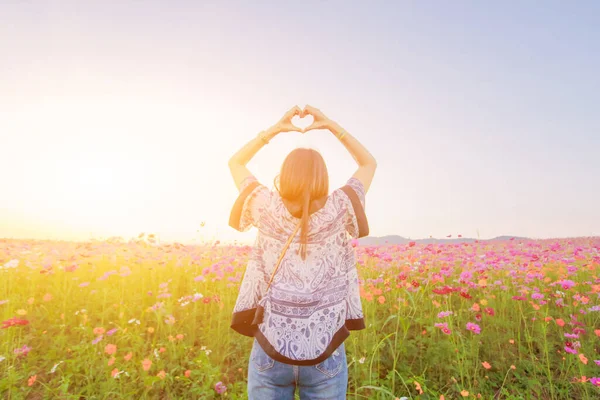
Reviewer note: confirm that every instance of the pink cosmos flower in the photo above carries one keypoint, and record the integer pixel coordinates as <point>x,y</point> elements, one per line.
<point>566,284</point>
<point>572,335</point>
<point>220,387</point>
<point>71,268</point>
<point>110,349</point>
<point>473,328</point>
<point>22,351</point>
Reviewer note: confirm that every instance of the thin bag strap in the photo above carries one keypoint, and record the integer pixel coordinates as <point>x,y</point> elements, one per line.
<point>283,253</point>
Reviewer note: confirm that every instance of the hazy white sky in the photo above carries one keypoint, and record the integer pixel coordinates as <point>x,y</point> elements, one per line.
<point>118,117</point>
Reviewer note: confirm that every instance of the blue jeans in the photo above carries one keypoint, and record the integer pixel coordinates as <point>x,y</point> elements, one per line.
<point>269,379</point>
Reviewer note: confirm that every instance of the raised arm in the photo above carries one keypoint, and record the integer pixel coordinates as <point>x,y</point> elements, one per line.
<point>366,162</point>
<point>237,163</point>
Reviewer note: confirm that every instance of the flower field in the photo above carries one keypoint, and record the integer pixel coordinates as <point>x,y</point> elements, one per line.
<point>107,320</point>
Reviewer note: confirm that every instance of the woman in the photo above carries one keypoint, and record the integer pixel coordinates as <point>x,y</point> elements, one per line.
<point>299,297</point>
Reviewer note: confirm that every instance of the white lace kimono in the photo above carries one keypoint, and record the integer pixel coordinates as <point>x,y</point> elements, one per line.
<point>312,304</point>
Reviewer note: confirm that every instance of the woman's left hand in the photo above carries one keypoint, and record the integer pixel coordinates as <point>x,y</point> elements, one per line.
<point>285,123</point>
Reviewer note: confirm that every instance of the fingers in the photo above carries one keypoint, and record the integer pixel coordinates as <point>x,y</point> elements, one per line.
<point>306,111</point>
<point>315,112</point>
<point>293,112</point>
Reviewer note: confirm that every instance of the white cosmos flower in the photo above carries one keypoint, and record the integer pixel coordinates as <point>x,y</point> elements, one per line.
<point>117,374</point>
<point>53,370</point>
<point>12,264</point>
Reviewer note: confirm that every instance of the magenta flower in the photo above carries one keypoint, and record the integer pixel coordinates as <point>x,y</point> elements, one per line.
<point>489,311</point>
<point>572,335</point>
<point>566,284</point>
<point>14,322</point>
<point>22,351</point>
<point>112,331</point>
<point>220,387</point>
<point>473,328</point>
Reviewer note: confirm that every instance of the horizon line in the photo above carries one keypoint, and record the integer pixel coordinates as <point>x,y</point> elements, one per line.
<point>249,243</point>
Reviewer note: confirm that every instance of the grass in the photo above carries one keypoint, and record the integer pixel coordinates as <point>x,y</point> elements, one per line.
<point>115,319</point>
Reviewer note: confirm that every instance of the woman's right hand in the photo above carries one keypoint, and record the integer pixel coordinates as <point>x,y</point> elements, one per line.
<point>320,120</point>
<point>285,123</point>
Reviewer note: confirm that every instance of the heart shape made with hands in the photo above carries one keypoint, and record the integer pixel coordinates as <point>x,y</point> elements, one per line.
<point>302,122</point>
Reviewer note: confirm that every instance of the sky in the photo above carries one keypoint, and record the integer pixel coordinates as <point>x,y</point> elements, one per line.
<point>119,117</point>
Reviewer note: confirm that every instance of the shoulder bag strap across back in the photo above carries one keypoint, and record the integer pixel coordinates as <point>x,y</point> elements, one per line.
<point>283,253</point>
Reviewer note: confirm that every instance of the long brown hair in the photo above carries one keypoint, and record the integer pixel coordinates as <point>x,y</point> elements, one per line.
<point>303,180</point>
